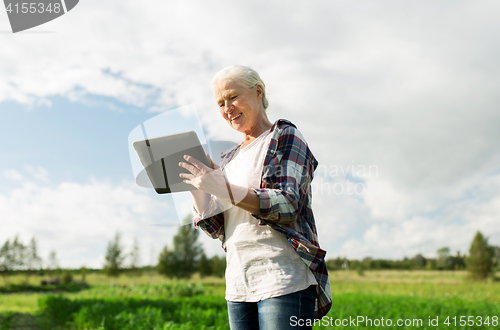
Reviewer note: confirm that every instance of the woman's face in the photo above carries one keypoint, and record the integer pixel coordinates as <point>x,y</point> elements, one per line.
<point>239,106</point>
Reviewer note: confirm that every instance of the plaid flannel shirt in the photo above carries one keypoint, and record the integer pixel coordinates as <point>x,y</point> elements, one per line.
<point>285,203</point>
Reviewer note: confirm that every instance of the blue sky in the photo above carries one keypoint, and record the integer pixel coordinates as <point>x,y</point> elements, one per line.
<point>70,139</point>
<point>407,88</point>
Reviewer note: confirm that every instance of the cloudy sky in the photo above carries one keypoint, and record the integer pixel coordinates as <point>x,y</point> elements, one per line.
<point>397,100</point>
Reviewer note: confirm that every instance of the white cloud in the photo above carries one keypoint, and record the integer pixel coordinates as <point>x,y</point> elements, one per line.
<point>453,225</point>
<point>12,175</point>
<point>37,172</point>
<point>77,220</point>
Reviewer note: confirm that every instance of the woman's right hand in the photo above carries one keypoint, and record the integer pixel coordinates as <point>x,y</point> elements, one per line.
<point>201,198</point>
<point>211,179</point>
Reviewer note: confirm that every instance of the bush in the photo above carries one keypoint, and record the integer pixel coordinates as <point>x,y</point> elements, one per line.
<point>67,277</point>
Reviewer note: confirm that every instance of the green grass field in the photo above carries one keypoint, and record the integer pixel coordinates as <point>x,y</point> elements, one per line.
<point>153,302</point>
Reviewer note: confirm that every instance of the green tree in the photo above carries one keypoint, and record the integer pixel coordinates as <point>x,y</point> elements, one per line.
<point>205,267</point>
<point>496,258</point>
<point>114,257</point>
<point>18,250</point>
<point>444,259</point>
<point>6,261</point>
<point>418,261</point>
<point>67,277</point>
<point>134,261</point>
<point>166,262</point>
<point>480,260</point>
<point>367,263</point>
<point>360,269</point>
<point>458,261</point>
<point>430,264</point>
<point>83,272</point>
<point>33,261</point>
<point>184,259</point>
<point>218,266</point>
<point>334,264</point>
<point>53,263</point>
<point>187,251</point>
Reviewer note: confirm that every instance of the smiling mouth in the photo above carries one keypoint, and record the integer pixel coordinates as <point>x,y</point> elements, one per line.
<point>236,117</point>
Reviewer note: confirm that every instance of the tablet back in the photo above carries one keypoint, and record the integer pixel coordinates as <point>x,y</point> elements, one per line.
<point>160,157</point>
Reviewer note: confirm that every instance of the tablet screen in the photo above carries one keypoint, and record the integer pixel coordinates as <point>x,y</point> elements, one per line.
<point>160,157</point>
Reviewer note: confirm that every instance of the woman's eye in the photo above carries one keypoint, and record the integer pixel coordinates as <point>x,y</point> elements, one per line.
<point>232,98</point>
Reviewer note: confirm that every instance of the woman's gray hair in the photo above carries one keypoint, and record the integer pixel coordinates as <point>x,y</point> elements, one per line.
<point>249,77</point>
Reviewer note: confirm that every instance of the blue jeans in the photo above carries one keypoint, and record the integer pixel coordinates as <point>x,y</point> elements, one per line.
<point>284,312</point>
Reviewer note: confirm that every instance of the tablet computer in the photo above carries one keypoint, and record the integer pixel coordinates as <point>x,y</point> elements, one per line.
<point>161,155</point>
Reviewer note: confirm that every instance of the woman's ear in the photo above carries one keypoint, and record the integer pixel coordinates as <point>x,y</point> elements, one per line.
<point>258,88</point>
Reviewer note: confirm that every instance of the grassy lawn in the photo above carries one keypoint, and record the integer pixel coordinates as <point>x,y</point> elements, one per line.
<point>155,302</point>
<point>19,302</point>
<point>427,284</point>
<point>101,279</point>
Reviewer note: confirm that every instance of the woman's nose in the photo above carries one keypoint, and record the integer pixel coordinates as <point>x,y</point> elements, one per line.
<point>228,106</point>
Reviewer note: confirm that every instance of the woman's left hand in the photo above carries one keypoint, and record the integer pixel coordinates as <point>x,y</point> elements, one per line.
<point>202,177</point>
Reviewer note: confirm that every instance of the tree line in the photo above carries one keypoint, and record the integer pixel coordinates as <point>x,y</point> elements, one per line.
<point>186,256</point>
<point>482,261</point>
<point>14,255</point>
<point>19,258</point>
<point>182,260</point>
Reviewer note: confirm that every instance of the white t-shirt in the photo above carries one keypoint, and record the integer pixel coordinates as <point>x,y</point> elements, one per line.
<point>261,263</point>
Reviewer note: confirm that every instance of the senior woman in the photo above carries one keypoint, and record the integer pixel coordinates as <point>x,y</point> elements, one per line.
<point>258,203</point>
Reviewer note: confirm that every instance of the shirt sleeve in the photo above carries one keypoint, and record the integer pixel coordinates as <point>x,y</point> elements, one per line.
<point>287,179</point>
<point>211,221</point>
